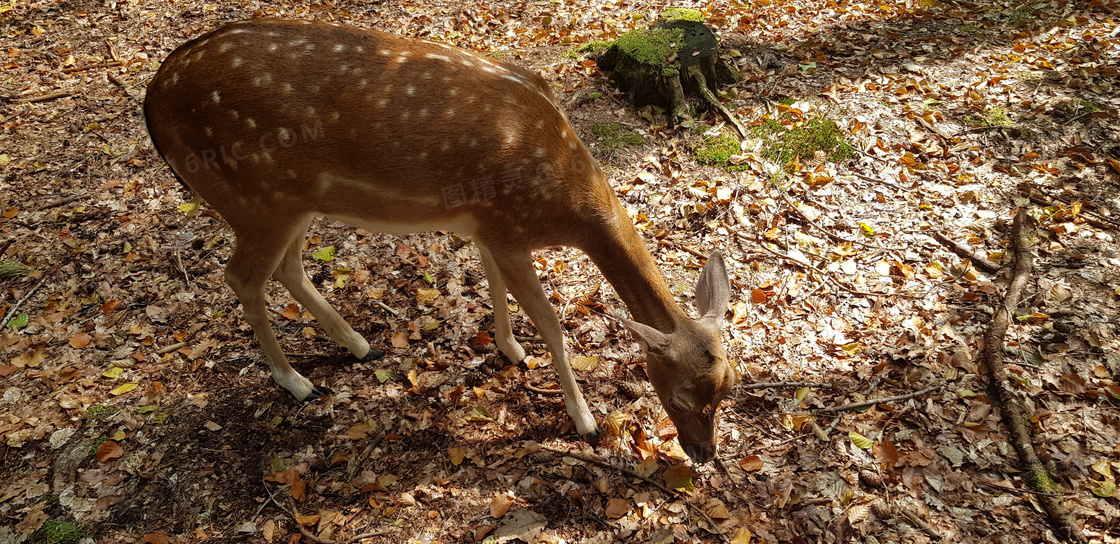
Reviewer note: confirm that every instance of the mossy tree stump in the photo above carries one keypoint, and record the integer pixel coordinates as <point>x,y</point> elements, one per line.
<point>661,65</point>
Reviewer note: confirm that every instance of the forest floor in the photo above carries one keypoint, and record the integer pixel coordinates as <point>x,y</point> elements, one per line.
<point>135,404</point>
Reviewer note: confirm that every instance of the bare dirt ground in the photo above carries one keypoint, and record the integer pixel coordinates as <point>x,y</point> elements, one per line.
<point>136,405</point>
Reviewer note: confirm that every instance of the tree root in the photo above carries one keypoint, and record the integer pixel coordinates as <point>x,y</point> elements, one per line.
<point>1012,411</point>
<point>702,84</point>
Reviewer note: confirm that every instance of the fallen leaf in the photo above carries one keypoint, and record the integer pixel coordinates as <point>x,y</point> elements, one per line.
<point>400,339</point>
<point>678,477</point>
<point>108,451</point>
<point>751,463</point>
<point>299,490</point>
<point>158,537</point>
<point>123,388</point>
<point>617,507</point>
<point>457,455</point>
<point>500,504</point>
<point>80,340</point>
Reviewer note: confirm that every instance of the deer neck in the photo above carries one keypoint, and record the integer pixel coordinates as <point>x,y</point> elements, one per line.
<point>622,257</point>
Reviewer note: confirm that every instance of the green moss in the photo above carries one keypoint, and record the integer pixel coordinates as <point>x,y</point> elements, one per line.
<point>997,117</point>
<point>594,47</point>
<point>60,531</point>
<point>98,410</point>
<point>652,46</point>
<point>611,138</point>
<point>716,150</point>
<point>783,144</point>
<point>682,14</point>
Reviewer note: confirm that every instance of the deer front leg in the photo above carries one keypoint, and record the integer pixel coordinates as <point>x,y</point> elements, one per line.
<point>516,268</point>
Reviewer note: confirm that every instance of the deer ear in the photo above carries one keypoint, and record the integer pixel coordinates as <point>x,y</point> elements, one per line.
<point>653,339</point>
<point>713,289</point>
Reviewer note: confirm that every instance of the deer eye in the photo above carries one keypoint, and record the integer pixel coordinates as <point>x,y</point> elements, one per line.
<point>676,406</point>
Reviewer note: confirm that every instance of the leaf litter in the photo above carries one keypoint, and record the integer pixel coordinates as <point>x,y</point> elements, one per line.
<point>134,394</point>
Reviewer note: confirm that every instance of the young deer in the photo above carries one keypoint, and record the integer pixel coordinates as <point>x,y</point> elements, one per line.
<point>273,122</point>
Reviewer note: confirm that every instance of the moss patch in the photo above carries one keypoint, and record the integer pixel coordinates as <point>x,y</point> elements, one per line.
<point>682,14</point>
<point>995,117</point>
<point>59,531</point>
<point>783,144</point>
<point>652,46</point>
<point>611,138</point>
<point>717,151</point>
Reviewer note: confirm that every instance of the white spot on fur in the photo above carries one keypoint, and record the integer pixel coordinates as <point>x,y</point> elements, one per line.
<point>385,52</point>
<point>209,132</point>
<point>272,47</point>
<point>382,103</point>
<point>573,145</point>
<point>216,97</point>
<point>249,121</point>
<point>339,47</point>
<point>360,49</point>
<point>540,123</point>
<point>221,48</point>
<point>310,111</point>
<point>237,61</point>
<point>540,151</point>
<point>410,90</point>
<point>234,115</point>
<point>287,87</point>
<point>402,60</point>
<point>444,58</point>
<point>449,112</point>
<point>453,91</point>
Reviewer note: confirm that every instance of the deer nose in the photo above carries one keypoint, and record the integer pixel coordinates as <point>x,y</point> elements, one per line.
<point>700,453</point>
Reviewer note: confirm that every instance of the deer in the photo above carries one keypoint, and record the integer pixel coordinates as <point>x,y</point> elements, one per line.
<point>275,122</point>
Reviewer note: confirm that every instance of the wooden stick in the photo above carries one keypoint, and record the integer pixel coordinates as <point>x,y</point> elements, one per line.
<point>542,390</point>
<point>979,262</point>
<point>1013,413</point>
<point>73,69</point>
<point>872,402</point>
<point>45,97</point>
<point>776,385</point>
<point>646,479</point>
<point>15,307</point>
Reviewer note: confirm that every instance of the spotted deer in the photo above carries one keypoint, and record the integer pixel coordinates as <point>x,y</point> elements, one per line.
<point>274,122</point>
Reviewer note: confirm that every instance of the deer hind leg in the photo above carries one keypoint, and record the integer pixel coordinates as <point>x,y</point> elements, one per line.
<point>503,332</point>
<point>516,268</point>
<point>291,274</point>
<point>256,256</point>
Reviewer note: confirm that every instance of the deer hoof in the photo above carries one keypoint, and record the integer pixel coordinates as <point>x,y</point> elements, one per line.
<point>315,393</point>
<point>592,437</point>
<point>373,355</point>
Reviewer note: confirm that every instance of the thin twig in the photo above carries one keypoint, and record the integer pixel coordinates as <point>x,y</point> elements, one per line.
<point>777,385</point>
<point>998,487</point>
<point>1094,219</point>
<point>387,308</point>
<point>814,224</point>
<point>605,464</point>
<point>918,522</point>
<point>46,97</point>
<point>91,66</point>
<point>291,513</point>
<point>874,180</point>
<point>169,348</point>
<point>978,261</point>
<point>543,391</point>
<point>15,307</point>
<point>825,275</point>
<point>872,402</point>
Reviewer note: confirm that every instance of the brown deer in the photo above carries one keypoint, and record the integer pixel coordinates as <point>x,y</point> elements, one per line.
<point>273,122</point>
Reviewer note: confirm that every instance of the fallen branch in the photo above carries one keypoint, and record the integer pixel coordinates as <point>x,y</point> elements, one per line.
<point>1013,413</point>
<point>596,461</point>
<point>1095,219</point>
<point>92,66</point>
<point>542,390</point>
<point>46,97</point>
<point>777,385</point>
<point>15,307</point>
<point>979,262</point>
<point>872,402</point>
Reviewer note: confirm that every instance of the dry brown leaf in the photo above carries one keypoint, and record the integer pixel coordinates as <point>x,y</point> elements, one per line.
<point>617,507</point>
<point>456,454</point>
<point>108,451</point>
<point>299,490</point>
<point>80,340</point>
<point>500,504</point>
<point>400,339</point>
